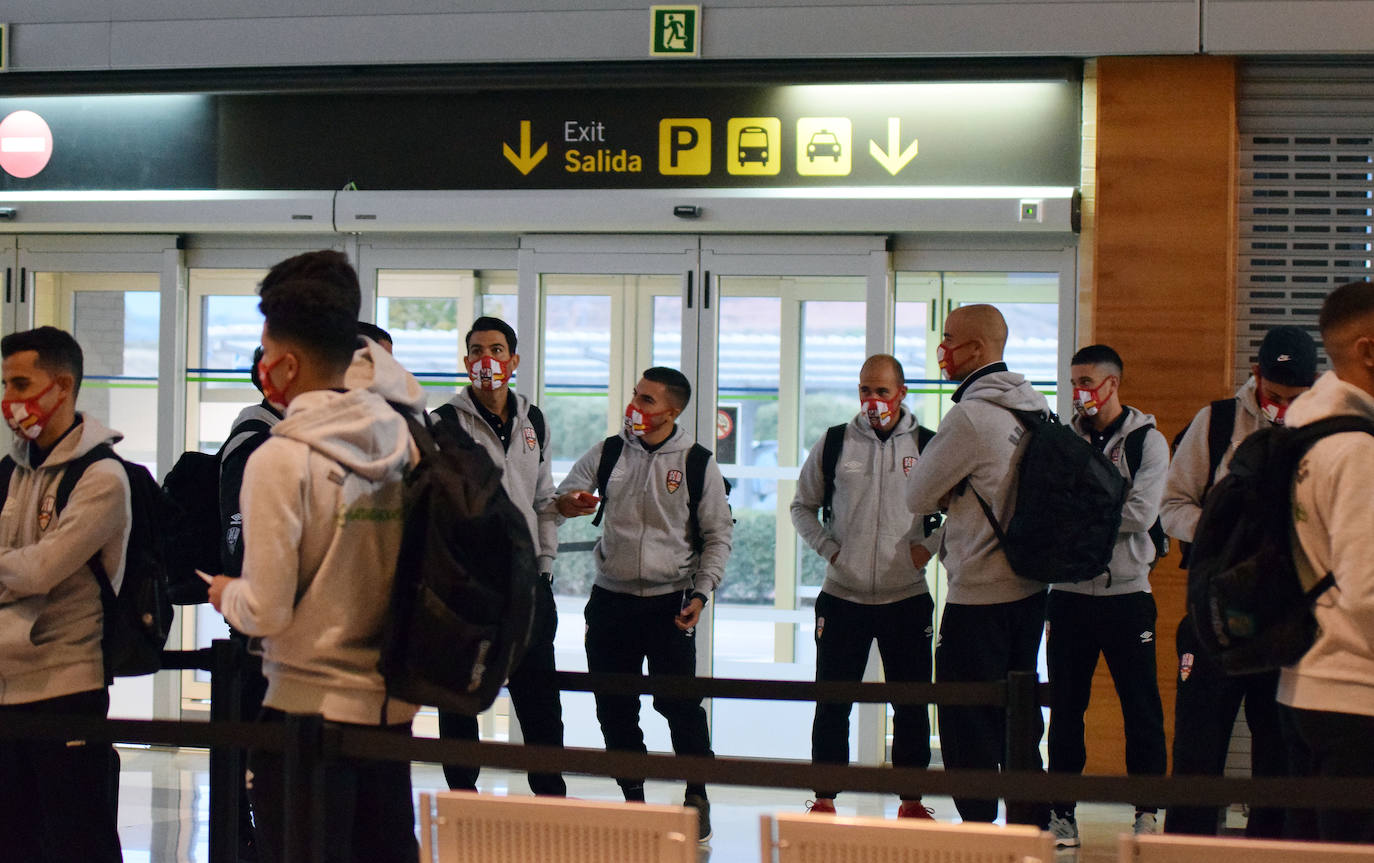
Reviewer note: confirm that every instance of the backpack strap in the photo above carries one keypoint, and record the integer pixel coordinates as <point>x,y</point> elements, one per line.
<point>830,460</point>
<point>697,457</point>
<point>610,454</point>
<point>1221,425</point>
<point>446,413</point>
<point>923,437</point>
<point>71,475</point>
<point>1134,448</point>
<point>6,472</point>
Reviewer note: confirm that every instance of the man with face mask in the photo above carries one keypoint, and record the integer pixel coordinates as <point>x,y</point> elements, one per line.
<point>50,607</point>
<point>1208,699</point>
<point>1112,615</point>
<point>657,565</point>
<point>875,588</point>
<point>993,618</point>
<point>512,431</point>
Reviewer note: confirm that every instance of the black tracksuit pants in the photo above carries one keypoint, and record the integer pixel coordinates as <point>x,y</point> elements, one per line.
<point>844,633</point>
<point>1331,745</point>
<point>981,643</point>
<point>58,802</point>
<point>534,696</point>
<point>1204,712</point>
<point>1121,629</point>
<point>367,804</point>
<point>622,632</point>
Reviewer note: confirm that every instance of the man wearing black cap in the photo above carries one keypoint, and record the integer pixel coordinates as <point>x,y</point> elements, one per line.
<point>1208,699</point>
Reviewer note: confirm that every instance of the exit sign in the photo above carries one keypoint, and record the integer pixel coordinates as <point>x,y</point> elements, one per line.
<point>675,31</point>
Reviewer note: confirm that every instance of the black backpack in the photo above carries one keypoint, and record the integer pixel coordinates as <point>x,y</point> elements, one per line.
<point>1066,512</point>
<point>138,619</point>
<point>830,460</point>
<point>1250,588</point>
<point>194,535</point>
<point>1134,450</point>
<point>447,413</point>
<point>462,606</point>
<point>1221,424</point>
<point>697,457</point>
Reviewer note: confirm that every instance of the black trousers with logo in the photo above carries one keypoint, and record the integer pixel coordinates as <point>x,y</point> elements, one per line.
<point>59,799</point>
<point>981,643</point>
<point>845,631</point>
<point>534,695</point>
<point>1120,629</point>
<point>1204,713</point>
<point>622,632</point>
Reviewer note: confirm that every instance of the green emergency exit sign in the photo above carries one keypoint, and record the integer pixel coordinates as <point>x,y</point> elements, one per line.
<point>675,31</point>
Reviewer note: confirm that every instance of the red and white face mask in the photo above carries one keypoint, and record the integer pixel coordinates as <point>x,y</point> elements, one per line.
<point>489,373</point>
<point>1088,402</point>
<point>880,413</point>
<point>1275,412</point>
<point>639,423</point>
<point>26,417</point>
<point>945,357</point>
<point>275,397</point>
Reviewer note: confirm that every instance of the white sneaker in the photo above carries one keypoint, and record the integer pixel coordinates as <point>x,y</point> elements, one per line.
<point>1065,830</point>
<point>1146,824</point>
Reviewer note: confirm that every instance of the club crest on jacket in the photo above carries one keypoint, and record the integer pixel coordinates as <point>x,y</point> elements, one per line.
<point>673,481</point>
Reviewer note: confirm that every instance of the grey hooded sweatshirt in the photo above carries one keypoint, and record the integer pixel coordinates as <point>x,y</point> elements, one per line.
<point>977,442</point>
<point>322,521</point>
<point>871,529</point>
<point>1134,553</point>
<point>645,547</point>
<point>50,611</point>
<point>1335,528</point>
<point>1182,505</point>
<point>525,467</point>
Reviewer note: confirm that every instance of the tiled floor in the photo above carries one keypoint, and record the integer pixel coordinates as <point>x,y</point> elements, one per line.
<point>164,809</point>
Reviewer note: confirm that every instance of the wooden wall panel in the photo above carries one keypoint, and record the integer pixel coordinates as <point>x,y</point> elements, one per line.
<point>1164,282</point>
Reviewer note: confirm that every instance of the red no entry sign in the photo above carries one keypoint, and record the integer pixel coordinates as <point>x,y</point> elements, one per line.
<point>25,144</point>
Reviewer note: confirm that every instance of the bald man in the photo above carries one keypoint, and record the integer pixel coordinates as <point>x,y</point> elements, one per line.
<point>993,618</point>
<point>876,553</point>
<point>1327,698</point>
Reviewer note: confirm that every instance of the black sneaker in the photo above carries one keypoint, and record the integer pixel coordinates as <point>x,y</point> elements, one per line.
<point>703,808</point>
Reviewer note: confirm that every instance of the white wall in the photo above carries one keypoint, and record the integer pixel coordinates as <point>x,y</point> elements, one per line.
<point>49,35</point>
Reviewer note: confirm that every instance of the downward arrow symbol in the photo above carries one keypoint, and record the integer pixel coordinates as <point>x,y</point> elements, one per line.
<point>890,159</point>
<point>524,161</point>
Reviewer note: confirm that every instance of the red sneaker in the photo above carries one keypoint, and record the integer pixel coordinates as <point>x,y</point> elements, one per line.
<point>821,806</point>
<point>915,809</point>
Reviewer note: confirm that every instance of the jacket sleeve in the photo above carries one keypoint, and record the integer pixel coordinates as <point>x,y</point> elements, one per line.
<point>1147,486</point>
<point>717,528</point>
<point>582,477</point>
<point>947,460</point>
<point>97,512</point>
<point>1182,503</point>
<point>544,506</point>
<point>806,505</point>
<point>263,600</point>
<point>230,511</point>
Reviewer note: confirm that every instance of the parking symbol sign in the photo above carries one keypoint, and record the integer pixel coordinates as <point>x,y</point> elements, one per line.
<point>674,31</point>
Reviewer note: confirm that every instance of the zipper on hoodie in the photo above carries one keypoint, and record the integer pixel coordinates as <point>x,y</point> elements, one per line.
<point>878,468</point>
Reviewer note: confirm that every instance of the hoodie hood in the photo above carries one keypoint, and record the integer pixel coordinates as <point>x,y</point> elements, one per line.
<point>1329,397</point>
<point>1006,389</point>
<point>357,429</point>
<point>1247,396</point>
<point>376,370</point>
<point>86,435</point>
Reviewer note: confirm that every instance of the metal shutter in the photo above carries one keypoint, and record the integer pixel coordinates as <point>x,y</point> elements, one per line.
<point>1306,156</point>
